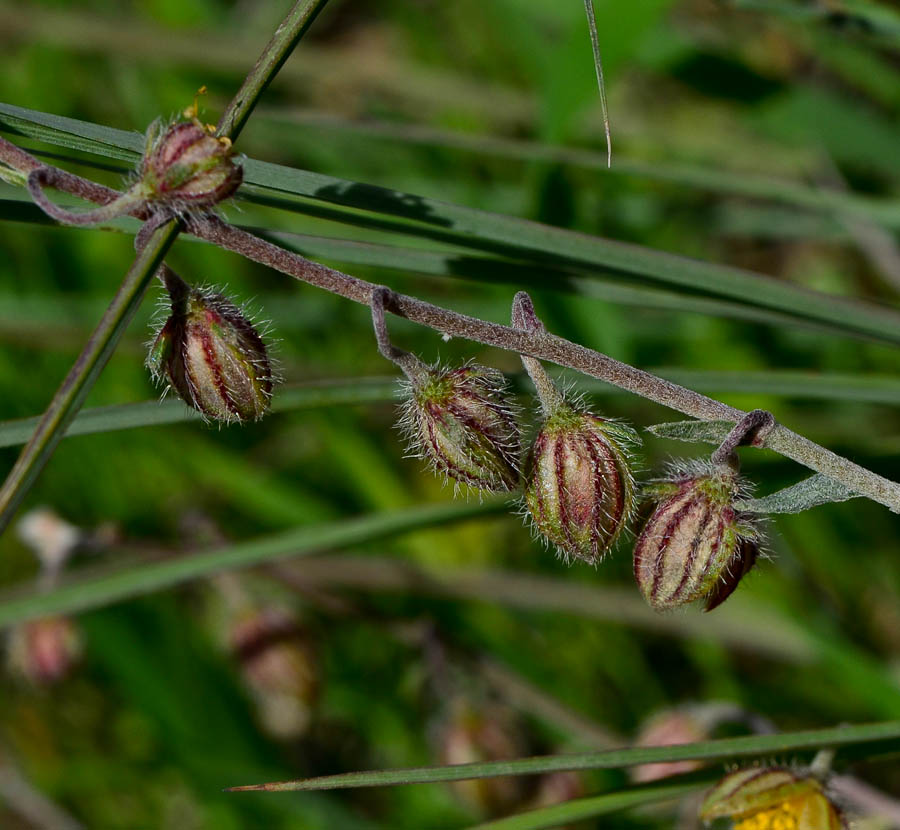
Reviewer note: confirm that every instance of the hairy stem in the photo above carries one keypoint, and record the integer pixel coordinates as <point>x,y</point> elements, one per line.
<point>525,318</point>
<point>412,367</point>
<point>537,344</point>
<point>752,429</point>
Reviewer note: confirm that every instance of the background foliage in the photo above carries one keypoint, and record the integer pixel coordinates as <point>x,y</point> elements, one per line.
<point>722,115</point>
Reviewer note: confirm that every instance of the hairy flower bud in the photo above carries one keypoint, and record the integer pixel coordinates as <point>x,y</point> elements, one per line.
<point>211,354</point>
<point>43,651</point>
<point>696,544</point>
<point>772,797</point>
<point>578,484</point>
<point>185,166</point>
<point>459,420</point>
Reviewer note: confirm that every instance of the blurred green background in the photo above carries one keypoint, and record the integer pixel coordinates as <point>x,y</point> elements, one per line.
<point>490,104</point>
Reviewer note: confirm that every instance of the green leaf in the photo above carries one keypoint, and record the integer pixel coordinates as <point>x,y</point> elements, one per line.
<point>154,413</point>
<point>519,238</point>
<point>723,749</point>
<point>579,809</point>
<point>811,492</point>
<point>136,578</point>
<point>698,432</point>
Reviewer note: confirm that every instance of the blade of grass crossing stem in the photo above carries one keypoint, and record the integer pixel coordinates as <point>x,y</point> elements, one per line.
<point>580,809</point>
<point>81,378</point>
<point>157,413</point>
<point>742,747</point>
<point>132,579</point>
<point>74,389</point>
<point>374,390</point>
<point>291,189</point>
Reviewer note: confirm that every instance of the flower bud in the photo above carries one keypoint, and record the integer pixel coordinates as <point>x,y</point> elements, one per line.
<point>578,484</point>
<point>460,421</point>
<point>772,797</point>
<point>695,545</point>
<point>278,667</point>
<point>211,354</point>
<point>185,166</point>
<point>488,733</point>
<point>43,651</point>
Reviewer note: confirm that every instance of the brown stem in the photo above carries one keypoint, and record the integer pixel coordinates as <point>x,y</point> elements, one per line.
<point>538,344</point>
<point>412,367</point>
<point>123,204</point>
<point>752,429</point>
<point>525,318</point>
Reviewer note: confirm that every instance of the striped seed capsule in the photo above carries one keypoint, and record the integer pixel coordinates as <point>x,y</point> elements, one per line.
<point>578,484</point>
<point>211,355</point>
<point>769,798</point>
<point>460,421</point>
<point>695,545</point>
<point>184,166</point>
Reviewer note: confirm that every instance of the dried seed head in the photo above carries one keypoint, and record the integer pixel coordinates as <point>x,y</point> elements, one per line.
<point>211,354</point>
<point>579,489</point>
<point>770,798</point>
<point>462,423</point>
<point>695,545</point>
<point>185,166</point>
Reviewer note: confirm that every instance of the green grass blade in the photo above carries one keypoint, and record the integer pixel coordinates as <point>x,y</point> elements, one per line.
<point>369,390</point>
<point>579,809</point>
<point>723,749</point>
<point>129,580</point>
<point>506,235</point>
<point>155,413</point>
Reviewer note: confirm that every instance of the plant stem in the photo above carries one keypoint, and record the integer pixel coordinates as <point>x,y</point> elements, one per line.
<point>277,51</point>
<point>538,345</point>
<point>78,383</point>
<point>555,349</point>
<point>74,389</point>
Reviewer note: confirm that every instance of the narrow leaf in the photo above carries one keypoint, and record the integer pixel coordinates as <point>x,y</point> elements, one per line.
<point>472,228</point>
<point>698,432</point>
<point>811,492</point>
<point>742,747</point>
<point>155,413</point>
<point>579,809</point>
<point>132,579</point>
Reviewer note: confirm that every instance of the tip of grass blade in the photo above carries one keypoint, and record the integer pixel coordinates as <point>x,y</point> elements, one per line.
<point>601,84</point>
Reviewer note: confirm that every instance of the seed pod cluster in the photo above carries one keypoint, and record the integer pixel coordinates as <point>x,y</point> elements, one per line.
<point>460,420</point>
<point>696,544</point>
<point>211,355</point>
<point>770,797</point>
<point>579,489</point>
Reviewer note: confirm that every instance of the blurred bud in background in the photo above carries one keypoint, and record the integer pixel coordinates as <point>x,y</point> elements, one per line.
<point>683,725</point>
<point>273,651</point>
<point>486,732</point>
<point>44,651</point>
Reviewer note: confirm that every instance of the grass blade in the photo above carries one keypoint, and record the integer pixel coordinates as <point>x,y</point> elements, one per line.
<point>155,413</point>
<point>579,809</point>
<point>87,591</point>
<point>727,748</point>
<point>510,236</point>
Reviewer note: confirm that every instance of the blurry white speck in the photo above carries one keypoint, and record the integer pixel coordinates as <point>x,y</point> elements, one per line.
<point>445,337</point>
